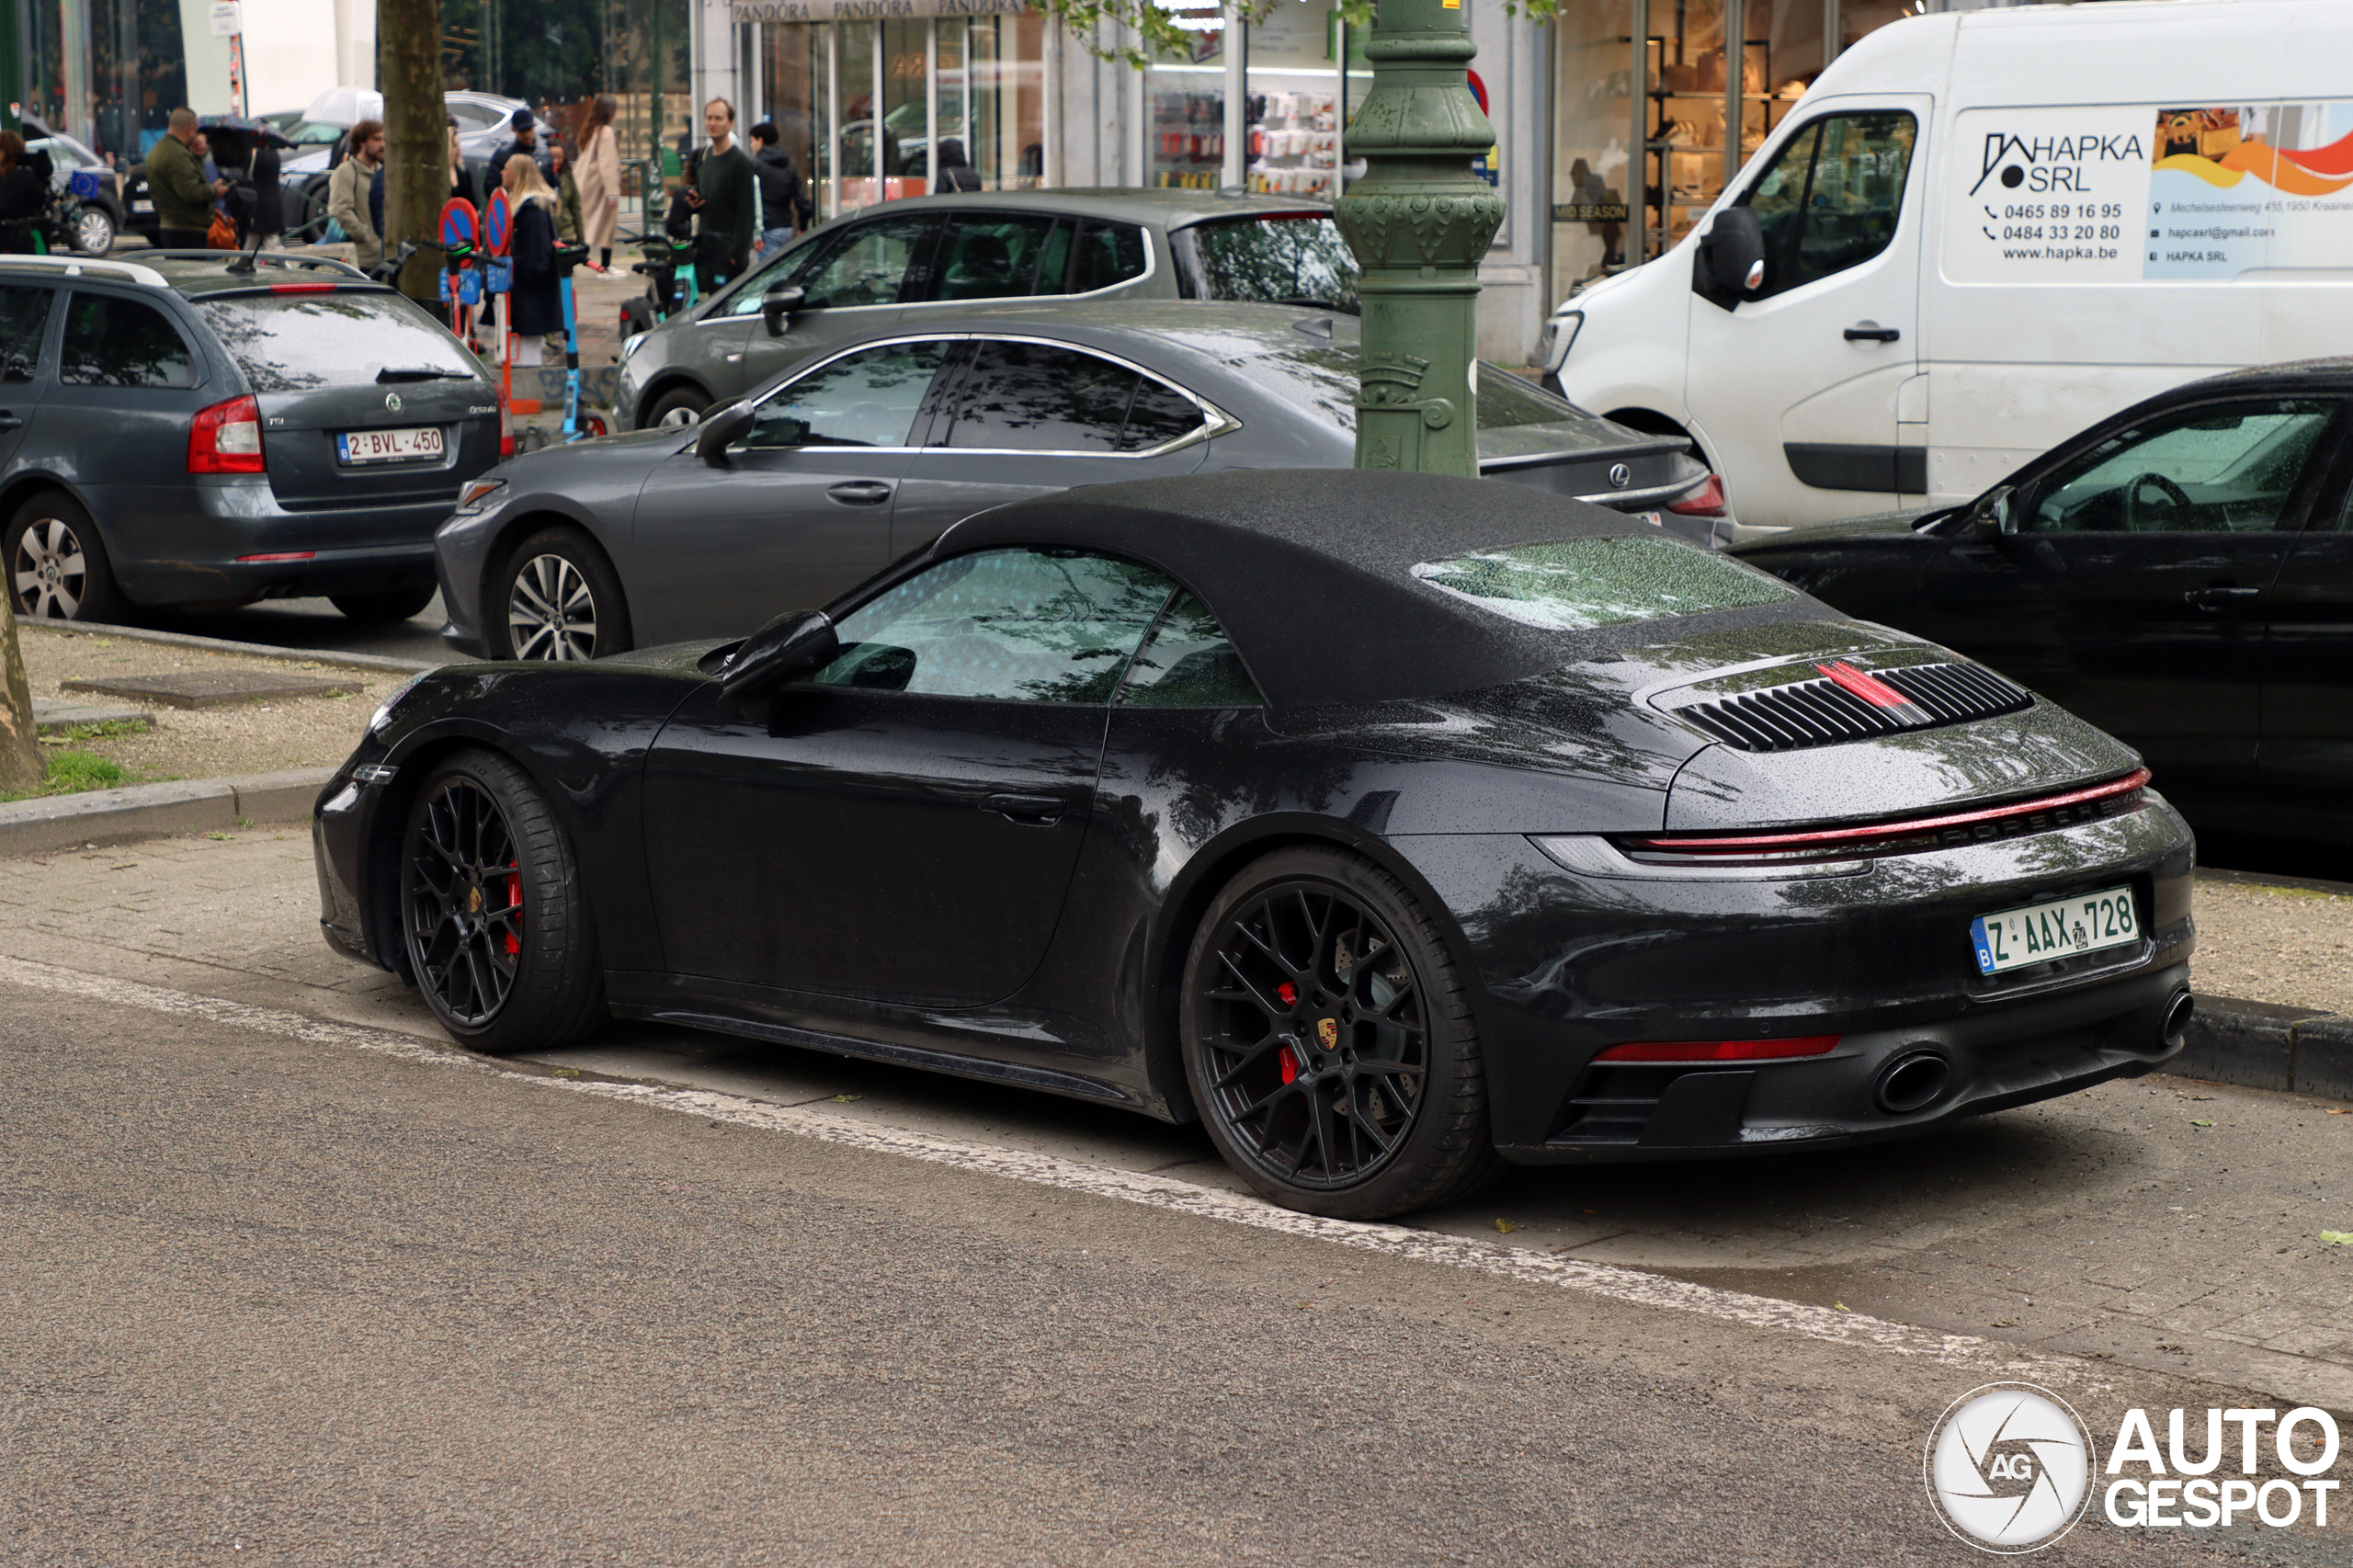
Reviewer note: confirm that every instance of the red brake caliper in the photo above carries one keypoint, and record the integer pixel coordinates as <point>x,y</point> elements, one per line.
<point>514,901</point>
<point>1283,1058</point>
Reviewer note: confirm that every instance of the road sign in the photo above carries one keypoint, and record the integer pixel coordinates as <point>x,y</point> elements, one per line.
<point>228,18</point>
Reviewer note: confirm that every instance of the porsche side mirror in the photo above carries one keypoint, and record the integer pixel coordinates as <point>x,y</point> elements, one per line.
<point>795,643</point>
<point>1729,264</point>
<point>780,302</point>
<point>720,431</point>
<point>1991,515</point>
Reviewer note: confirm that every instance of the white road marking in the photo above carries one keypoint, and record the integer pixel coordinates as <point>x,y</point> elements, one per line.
<point>1518,1264</point>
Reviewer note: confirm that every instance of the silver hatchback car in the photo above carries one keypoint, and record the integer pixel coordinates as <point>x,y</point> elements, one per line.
<point>902,261</point>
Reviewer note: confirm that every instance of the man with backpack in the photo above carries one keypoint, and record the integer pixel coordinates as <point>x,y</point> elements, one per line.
<point>785,207</point>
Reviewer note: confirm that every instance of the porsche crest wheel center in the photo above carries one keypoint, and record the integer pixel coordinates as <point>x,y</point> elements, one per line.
<point>1327,1033</point>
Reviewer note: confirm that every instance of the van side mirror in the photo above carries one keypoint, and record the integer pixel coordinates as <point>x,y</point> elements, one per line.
<point>780,302</point>
<point>1729,264</point>
<point>797,642</point>
<point>720,431</point>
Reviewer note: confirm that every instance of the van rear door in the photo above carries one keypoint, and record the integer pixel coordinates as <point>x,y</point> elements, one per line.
<point>1798,388</point>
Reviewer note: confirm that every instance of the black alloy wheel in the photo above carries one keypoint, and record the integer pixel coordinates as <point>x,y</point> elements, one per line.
<point>558,600</point>
<point>496,929</point>
<point>1328,1040</point>
<point>57,567</point>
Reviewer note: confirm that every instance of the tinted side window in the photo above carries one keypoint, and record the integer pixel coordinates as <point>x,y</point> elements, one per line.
<point>986,256</point>
<point>1158,414</point>
<point>1107,254</point>
<point>1032,397</point>
<point>1015,625</point>
<point>24,318</point>
<point>2227,468</point>
<point>112,342</point>
<point>1189,662</point>
<point>295,342</point>
<point>867,266</point>
<point>1832,195</point>
<point>867,399</point>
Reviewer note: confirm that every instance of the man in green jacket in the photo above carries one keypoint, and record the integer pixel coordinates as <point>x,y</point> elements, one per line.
<point>726,197</point>
<point>176,183</point>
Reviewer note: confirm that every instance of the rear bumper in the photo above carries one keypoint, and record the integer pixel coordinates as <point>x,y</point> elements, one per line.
<point>175,546</point>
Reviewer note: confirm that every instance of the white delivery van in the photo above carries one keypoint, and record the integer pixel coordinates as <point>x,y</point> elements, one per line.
<point>1977,233</point>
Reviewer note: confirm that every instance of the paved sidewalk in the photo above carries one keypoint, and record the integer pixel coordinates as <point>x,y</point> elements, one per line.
<point>2164,1223</point>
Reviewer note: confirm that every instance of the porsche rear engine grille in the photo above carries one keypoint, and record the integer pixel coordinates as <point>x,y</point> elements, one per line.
<point>1848,705</point>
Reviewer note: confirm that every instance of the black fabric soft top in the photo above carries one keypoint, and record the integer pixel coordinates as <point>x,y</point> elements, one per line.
<point>1310,570</point>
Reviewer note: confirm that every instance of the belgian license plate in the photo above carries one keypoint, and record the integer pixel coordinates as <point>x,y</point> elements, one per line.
<point>2041,932</point>
<point>388,446</point>
<point>142,207</point>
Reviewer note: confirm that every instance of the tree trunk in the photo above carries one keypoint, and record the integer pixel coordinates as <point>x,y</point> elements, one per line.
<point>21,767</point>
<point>416,138</point>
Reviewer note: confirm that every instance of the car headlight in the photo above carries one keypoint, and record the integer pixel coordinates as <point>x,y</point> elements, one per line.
<point>629,347</point>
<point>477,495</point>
<point>383,714</point>
<point>1560,335</point>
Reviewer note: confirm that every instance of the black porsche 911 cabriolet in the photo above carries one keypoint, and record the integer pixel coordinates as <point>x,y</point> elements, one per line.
<point>1392,824</point>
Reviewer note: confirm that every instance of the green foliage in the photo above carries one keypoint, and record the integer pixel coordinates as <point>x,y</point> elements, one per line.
<point>71,772</point>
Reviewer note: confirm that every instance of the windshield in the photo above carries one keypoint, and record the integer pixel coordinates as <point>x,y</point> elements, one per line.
<point>1281,258</point>
<point>299,342</point>
<point>1574,585</point>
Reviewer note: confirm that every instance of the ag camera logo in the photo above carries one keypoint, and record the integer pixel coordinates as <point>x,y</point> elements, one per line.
<point>2009,1468</point>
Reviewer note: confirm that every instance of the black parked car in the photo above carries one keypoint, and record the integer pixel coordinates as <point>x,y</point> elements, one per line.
<point>2180,576</point>
<point>879,442</point>
<point>1388,823</point>
<point>176,431</point>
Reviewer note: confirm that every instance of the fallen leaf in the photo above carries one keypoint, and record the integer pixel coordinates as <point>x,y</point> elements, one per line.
<point>845,1100</point>
<point>2342,1238</point>
<point>1506,1226</point>
<point>567,1071</point>
<point>2339,1110</point>
<point>1838,1307</point>
<point>2006,1323</point>
<point>2202,1121</point>
<point>1597,1211</point>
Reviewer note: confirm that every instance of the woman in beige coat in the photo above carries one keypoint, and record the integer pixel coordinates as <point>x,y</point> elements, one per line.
<point>596,169</point>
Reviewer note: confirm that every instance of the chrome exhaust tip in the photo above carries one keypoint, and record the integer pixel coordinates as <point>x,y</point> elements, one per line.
<point>2179,1010</point>
<point>1912,1082</point>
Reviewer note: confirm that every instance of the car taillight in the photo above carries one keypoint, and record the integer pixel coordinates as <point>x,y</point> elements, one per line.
<point>301,288</point>
<point>226,439</point>
<point>505,425</point>
<point>1720,1050</point>
<point>1707,500</point>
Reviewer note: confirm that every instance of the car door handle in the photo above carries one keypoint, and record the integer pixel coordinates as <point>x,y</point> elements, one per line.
<point>861,493</point>
<point>9,421</point>
<point>1872,332</point>
<point>2219,596</point>
<point>1029,811</point>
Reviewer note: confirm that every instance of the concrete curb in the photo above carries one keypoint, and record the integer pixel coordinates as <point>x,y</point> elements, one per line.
<point>2261,1045</point>
<point>153,811</point>
<point>383,661</point>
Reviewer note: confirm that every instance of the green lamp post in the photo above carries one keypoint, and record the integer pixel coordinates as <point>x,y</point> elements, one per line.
<point>1418,222</point>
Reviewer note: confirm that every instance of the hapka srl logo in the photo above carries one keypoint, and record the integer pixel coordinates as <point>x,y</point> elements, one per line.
<point>2009,1468</point>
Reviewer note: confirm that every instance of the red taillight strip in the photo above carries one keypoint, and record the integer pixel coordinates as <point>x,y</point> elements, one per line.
<point>1720,1050</point>
<point>1829,836</point>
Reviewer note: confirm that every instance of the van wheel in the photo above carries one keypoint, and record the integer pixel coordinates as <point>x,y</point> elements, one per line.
<point>57,567</point>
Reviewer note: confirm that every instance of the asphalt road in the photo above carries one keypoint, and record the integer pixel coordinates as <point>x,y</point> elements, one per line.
<point>314,623</point>
<point>271,1300</point>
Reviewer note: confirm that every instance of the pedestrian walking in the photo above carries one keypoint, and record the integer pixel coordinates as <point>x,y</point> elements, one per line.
<point>955,173</point>
<point>535,299</point>
<point>462,179</point>
<point>567,198</point>
<point>526,141</point>
<point>783,199</point>
<point>726,201</point>
<point>598,174</point>
<point>265,215</point>
<point>349,189</point>
<point>176,183</point>
<point>23,194</point>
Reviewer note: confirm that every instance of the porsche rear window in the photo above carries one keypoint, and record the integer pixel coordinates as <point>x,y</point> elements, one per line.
<point>1574,584</point>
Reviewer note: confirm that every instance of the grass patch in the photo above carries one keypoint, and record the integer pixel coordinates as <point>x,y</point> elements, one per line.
<point>113,727</point>
<point>72,772</point>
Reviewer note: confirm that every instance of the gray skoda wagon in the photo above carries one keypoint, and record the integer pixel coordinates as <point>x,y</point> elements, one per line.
<point>194,429</point>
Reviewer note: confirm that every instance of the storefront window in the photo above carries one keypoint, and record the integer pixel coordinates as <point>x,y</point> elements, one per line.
<point>1593,122</point>
<point>1293,111</point>
<point>1185,138</point>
